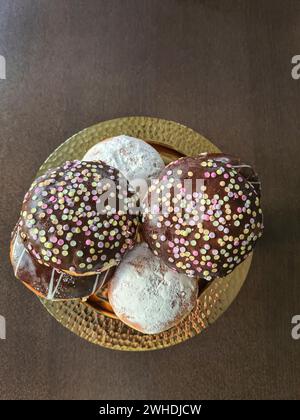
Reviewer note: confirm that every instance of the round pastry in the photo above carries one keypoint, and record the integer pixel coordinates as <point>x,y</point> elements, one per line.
<point>147,295</point>
<point>135,158</point>
<point>203,215</point>
<point>78,218</point>
<point>48,282</point>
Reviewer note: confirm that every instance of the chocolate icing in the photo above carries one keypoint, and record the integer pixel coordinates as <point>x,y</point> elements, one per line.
<point>62,227</point>
<point>49,282</point>
<point>217,225</point>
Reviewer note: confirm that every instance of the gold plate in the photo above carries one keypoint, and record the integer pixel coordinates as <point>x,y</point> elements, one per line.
<point>98,325</point>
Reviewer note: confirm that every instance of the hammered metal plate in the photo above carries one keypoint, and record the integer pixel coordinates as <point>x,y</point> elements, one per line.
<point>172,140</point>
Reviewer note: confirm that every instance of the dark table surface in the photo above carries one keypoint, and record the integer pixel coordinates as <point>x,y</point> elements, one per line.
<point>222,68</point>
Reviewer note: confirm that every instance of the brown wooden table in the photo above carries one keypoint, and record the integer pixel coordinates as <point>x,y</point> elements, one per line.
<point>222,68</point>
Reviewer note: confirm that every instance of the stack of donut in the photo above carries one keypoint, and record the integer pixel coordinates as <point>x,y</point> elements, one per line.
<point>197,219</point>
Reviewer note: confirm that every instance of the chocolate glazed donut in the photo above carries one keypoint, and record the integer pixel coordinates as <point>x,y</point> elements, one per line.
<point>62,226</point>
<point>206,217</point>
<point>48,282</point>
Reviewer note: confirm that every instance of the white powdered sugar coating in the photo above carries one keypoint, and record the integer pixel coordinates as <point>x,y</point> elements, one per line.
<point>135,158</point>
<point>149,296</point>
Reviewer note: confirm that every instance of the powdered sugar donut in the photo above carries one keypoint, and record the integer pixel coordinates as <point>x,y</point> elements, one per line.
<point>135,158</point>
<point>147,295</point>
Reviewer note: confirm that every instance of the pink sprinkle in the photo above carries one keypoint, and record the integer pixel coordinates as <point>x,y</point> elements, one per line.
<point>155,209</point>
<point>171,244</point>
<point>205,217</point>
<point>213,174</point>
<point>53,239</point>
<point>206,174</point>
<point>79,223</point>
<point>226,176</point>
<point>49,211</point>
<point>88,242</point>
<point>87,233</point>
<point>60,242</point>
<point>195,253</point>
